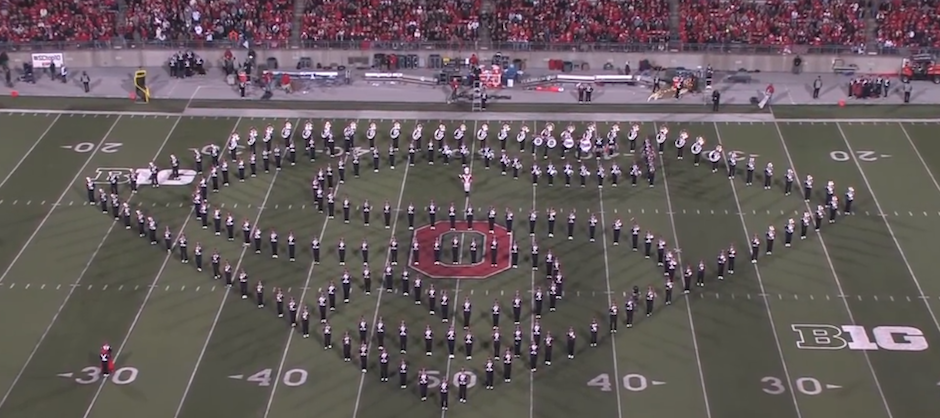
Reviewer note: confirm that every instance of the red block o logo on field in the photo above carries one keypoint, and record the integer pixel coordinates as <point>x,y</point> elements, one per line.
<point>425,236</point>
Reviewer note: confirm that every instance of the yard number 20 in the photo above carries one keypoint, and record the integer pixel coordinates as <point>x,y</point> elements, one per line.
<point>843,156</point>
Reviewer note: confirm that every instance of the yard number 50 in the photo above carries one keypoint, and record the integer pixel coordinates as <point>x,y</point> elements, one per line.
<point>843,156</point>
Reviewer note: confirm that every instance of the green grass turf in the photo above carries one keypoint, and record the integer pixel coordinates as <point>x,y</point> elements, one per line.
<point>187,347</point>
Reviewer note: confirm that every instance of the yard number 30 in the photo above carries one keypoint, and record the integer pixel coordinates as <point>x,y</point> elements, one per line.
<point>122,376</point>
<point>805,385</point>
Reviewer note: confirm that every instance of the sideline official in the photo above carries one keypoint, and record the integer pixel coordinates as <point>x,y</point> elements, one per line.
<point>86,82</point>
<point>716,100</point>
<point>907,88</point>
<point>817,85</point>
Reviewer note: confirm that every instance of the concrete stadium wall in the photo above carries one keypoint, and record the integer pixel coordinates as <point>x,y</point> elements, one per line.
<point>288,58</point>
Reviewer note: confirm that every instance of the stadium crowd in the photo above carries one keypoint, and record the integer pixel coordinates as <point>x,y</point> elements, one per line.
<point>887,23</point>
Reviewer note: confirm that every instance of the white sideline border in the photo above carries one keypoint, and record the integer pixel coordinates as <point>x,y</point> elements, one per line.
<point>505,116</point>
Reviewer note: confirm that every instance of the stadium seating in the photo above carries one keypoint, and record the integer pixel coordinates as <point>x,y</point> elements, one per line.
<point>57,20</point>
<point>389,20</point>
<point>773,22</point>
<point>899,23</point>
<point>635,21</point>
<point>207,20</point>
<point>911,23</point>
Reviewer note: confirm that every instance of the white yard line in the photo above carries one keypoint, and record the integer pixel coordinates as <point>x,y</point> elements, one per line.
<point>894,237</point>
<point>760,282</point>
<point>81,275</point>
<point>65,193</point>
<point>225,294</point>
<point>916,151</point>
<point>30,151</point>
<point>303,295</point>
<point>832,267</point>
<point>532,298</point>
<point>688,310</point>
<point>378,299</point>
<point>153,285</point>
<point>454,299</point>
<point>611,302</point>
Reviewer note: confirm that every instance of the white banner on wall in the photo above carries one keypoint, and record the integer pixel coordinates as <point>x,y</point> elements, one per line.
<point>44,60</point>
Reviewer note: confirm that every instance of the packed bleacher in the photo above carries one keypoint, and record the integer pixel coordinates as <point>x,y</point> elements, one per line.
<point>208,20</point>
<point>773,22</point>
<point>391,20</point>
<point>57,20</point>
<point>567,21</point>
<point>908,23</point>
<point>884,23</point>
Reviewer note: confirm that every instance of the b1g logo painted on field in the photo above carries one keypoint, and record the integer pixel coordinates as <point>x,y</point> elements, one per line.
<point>857,337</point>
<point>425,236</point>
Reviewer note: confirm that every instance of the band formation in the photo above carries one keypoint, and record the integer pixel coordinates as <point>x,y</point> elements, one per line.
<point>586,161</point>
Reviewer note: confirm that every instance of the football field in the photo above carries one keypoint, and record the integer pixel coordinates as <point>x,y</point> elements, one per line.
<point>841,323</point>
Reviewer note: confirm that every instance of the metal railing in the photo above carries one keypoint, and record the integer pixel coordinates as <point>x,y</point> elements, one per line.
<point>364,45</point>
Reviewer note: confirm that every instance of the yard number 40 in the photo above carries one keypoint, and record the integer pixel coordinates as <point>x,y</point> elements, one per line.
<point>632,382</point>
<point>844,156</point>
<point>290,378</point>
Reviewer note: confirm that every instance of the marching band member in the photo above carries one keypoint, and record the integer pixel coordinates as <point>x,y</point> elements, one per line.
<point>661,140</point>
<point>503,136</point>
<point>808,188</point>
<point>749,174</point>
<point>696,150</point>
<point>788,232</point>
<point>732,162</point>
<point>680,144</point>
<point>788,181</point>
<point>768,175</point>
<point>849,198</point>
<point>755,248</point>
<point>632,136</point>
<point>770,237</point>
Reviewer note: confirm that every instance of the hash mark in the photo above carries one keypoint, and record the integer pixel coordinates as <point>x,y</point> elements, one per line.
<point>27,285</point>
<point>875,297</point>
<point>105,287</point>
<point>891,298</point>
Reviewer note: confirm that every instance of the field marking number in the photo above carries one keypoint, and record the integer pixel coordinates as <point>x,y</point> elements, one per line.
<point>291,378</point>
<point>805,385</point>
<point>843,156</point>
<point>122,376</point>
<point>434,379</point>
<point>632,382</point>
<point>107,147</point>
